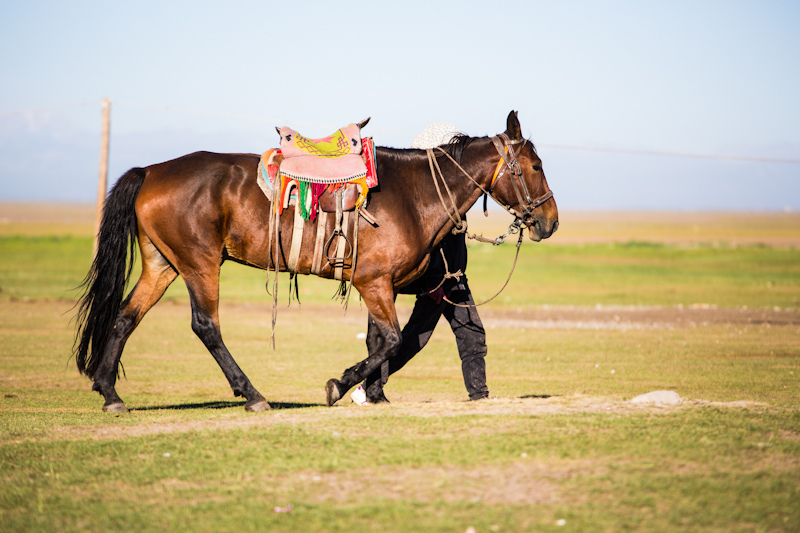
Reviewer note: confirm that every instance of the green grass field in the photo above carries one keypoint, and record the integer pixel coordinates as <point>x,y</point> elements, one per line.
<point>645,274</point>
<point>558,447</point>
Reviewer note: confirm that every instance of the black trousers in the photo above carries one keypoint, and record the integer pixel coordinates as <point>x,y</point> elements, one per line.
<point>466,326</point>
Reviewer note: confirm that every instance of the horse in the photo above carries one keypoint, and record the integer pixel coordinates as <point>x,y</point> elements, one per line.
<point>191,214</point>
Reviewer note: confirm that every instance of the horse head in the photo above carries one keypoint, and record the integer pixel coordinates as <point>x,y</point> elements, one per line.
<point>519,182</point>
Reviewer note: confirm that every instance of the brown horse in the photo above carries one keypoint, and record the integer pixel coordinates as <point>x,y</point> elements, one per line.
<point>191,214</point>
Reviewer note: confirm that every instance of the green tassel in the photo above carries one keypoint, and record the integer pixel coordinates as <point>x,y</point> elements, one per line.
<point>303,190</point>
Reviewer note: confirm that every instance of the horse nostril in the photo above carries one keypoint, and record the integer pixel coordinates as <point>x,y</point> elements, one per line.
<point>555,226</point>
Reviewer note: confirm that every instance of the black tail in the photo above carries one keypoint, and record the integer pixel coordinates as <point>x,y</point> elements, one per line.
<point>105,283</point>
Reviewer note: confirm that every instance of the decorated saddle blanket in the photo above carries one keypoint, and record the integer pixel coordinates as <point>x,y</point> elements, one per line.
<point>345,141</point>
<point>332,159</point>
<point>305,171</point>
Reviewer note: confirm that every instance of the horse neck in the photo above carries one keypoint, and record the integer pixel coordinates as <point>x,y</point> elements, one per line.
<point>410,173</point>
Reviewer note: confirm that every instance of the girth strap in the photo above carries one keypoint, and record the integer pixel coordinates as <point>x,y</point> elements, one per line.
<point>297,241</point>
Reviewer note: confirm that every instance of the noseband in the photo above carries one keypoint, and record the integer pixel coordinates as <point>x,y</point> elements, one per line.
<point>507,155</point>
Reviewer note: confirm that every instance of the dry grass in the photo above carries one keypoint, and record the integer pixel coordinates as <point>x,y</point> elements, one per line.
<point>46,219</point>
<point>770,228</point>
<point>735,228</point>
<point>353,416</point>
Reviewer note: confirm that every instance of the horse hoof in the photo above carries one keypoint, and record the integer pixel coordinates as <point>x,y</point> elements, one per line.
<point>118,407</point>
<point>376,399</point>
<point>332,392</point>
<point>257,406</point>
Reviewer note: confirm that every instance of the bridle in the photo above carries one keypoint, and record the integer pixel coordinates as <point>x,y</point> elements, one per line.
<point>507,155</point>
<point>505,147</point>
<point>521,218</point>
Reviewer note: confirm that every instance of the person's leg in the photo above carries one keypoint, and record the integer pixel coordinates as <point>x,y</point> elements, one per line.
<point>470,339</point>
<point>416,333</point>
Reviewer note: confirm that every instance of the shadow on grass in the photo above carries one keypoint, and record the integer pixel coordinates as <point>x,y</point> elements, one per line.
<point>222,405</point>
<point>292,405</point>
<point>539,396</point>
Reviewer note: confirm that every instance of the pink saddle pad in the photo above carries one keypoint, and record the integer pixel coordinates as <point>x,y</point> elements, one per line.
<point>315,169</point>
<point>332,159</point>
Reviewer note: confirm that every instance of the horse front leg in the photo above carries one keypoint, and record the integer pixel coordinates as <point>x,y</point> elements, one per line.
<point>383,340</point>
<point>374,388</point>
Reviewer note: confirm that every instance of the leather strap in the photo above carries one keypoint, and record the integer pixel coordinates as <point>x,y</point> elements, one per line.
<point>512,164</point>
<point>319,242</point>
<point>342,247</point>
<point>297,241</point>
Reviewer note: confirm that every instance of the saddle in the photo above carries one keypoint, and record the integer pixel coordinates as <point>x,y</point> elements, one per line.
<point>321,176</point>
<point>308,173</point>
<point>351,194</point>
<point>326,200</point>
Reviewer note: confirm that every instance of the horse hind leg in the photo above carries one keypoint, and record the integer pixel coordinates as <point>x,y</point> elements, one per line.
<point>157,275</point>
<point>203,285</point>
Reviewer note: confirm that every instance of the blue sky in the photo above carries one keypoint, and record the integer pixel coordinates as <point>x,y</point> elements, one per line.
<point>704,77</point>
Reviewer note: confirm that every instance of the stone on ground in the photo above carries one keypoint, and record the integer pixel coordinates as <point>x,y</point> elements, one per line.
<point>659,397</point>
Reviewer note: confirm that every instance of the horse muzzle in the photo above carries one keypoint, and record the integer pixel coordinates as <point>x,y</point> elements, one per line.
<point>540,227</point>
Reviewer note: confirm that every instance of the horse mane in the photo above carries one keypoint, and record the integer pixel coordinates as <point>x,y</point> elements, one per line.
<point>457,145</point>
<point>455,148</point>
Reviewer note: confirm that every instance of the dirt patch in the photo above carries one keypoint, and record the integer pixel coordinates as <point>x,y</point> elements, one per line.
<point>347,412</point>
<point>565,317</point>
<point>635,317</point>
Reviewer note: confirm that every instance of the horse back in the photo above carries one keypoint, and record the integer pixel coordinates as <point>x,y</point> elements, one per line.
<point>205,200</point>
<point>209,205</point>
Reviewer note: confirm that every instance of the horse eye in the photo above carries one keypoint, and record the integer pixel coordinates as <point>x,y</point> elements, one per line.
<point>537,168</point>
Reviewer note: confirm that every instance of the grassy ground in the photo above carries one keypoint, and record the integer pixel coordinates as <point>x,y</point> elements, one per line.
<point>559,446</point>
<point>45,267</point>
<point>558,441</point>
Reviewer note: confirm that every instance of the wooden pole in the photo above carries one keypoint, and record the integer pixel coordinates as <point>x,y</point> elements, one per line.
<point>102,181</point>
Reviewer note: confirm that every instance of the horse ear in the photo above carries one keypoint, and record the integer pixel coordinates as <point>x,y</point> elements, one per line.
<point>363,123</point>
<point>513,129</point>
<point>278,130</point>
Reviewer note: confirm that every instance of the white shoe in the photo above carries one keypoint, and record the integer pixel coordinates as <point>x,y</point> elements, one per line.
<point>359,397</point>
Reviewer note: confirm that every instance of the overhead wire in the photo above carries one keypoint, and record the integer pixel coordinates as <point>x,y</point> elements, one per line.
<point>274,120</point>
<point>42,109</point>
<point>671,154</point>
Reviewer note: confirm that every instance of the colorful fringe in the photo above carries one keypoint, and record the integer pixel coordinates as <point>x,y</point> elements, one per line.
<point>307,197</point>
<point>308,192</point>
<point>308,210</point>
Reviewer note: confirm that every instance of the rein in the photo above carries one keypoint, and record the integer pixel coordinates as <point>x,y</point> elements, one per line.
<point>509,157</point>
<point>457,275</point>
